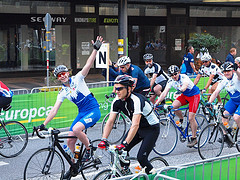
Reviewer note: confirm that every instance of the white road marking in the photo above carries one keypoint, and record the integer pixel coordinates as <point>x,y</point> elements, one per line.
<point>2,163</point>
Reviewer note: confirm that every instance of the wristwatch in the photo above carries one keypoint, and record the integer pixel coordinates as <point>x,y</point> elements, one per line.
<point>125,143</point>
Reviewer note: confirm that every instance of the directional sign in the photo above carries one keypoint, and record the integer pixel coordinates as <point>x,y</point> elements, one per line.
<point>48,22</point>
<point>102,57</point>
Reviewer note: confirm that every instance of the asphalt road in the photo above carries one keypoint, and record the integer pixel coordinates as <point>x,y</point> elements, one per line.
<point>12,168</point>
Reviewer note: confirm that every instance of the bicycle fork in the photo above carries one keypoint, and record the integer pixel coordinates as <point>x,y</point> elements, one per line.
<point>48,162</point>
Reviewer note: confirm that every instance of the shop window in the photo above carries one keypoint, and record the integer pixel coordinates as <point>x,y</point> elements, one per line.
<point>181,11</point>
<point>205,11</point>
<point>85,8</point>
<point>146,10</point>
<point>108,9</point>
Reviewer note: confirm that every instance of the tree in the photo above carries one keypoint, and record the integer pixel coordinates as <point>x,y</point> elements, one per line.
<point>203,41</point>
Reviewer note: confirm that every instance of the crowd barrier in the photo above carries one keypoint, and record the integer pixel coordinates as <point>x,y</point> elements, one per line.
<point>31,107</point>
<point>220,168</point>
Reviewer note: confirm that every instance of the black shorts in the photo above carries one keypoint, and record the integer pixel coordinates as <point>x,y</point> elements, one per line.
<point>162,83</point>
<point>4,101</point>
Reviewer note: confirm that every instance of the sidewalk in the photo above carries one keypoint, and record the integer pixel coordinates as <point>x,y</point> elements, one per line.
<point>32,82</point>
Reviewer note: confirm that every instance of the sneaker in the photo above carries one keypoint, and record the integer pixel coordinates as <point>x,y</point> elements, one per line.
<point>67,175</point>
<point>192,142</point>
<point>87,156</point>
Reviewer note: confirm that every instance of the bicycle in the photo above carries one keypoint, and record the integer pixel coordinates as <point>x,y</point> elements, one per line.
<point>48,163</point>
<point>120,155</point>
<point>13,137</point>
<point>168,137</point>
<point>120,125</point>
<point>212,140</point>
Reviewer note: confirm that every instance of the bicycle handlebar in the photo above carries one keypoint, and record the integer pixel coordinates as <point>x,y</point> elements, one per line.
<point>37,132</point>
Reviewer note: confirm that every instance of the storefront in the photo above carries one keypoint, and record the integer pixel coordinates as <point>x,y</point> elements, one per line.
<point>162,29</point>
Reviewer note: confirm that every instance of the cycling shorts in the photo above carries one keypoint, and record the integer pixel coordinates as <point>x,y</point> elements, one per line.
<point>162,83</point>
<point>4,101</point>
<point>192,100</point>
<point>232,107</point>
<point>87,118</point>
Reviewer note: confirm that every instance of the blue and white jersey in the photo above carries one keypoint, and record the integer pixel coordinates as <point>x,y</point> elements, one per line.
<point>156,69</point>
<point>78,93</point>
<point>232,86</point>
<point>211,69</point>
<point>191,90</point>
<point>187,60</point>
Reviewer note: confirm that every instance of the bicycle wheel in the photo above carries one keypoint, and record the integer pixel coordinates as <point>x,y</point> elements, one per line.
<point>44,164</point>
<point>237,139</point>
<point>167,139</point>
<point>158,162</point>
<point>99,161</point>
<point>14,139</point>
<point>210,141</point>
<point>118,130</point>
<point>105,174</point>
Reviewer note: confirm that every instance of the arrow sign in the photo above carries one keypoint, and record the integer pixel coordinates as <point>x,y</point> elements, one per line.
<point>48,22</point>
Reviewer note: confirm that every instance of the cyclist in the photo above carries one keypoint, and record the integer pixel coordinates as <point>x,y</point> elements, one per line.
<point>158,77</point>
<point>145,124</point>
<point>5,97</point>
<point>213,72</point>
<point>142,84</point>
<point>189,94</point>
<point>75,89</point>
<point>231,82</point>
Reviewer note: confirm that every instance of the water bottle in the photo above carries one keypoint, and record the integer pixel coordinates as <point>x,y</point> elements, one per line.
<point>226,124</point>
<point>68,151</point>
<point>137,169</point>
<point>179,124</point>
<point>77,151</point>
<point>234,127</point>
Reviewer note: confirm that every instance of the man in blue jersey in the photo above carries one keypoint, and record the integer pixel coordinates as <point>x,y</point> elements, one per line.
<point>142,83</point>
<point>75,89</point>
<point>231,82</point>
<point>231,55</point>
<point>188,60</point>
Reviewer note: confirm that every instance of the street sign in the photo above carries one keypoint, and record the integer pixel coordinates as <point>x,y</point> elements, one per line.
<point>102,57</point>
<point>48,22</point>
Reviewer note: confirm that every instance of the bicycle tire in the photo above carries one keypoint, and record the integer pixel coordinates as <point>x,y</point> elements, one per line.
<point>99,161</point>
<point>105,174</point>
<point>119,128</point>
<point>167,139</point>
<point>201,122</point>
<point>237,139</point>
<point>35,164</point>
<point>15,144</point>
<point>209,144</point>
<point>158,162</point>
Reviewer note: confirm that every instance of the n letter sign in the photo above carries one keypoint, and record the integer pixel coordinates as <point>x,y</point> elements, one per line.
<point>102,57</point>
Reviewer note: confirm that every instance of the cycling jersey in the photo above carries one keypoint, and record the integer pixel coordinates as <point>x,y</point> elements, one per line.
<point>136,104</point>
<point>78,93</point>
<point>156,69</point>
<point>232,86</point>
<point>211,69</point>
<point>5,91</point>
<point>191,88</point>
<point>187,60</point>
<point>136,72</point>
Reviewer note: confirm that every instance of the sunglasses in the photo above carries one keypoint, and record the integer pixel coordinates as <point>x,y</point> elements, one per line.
<point>122,67</point>
<point>174,74</point>
<point>119,88</point>
<point>61,74</point>
<point>204,61</point>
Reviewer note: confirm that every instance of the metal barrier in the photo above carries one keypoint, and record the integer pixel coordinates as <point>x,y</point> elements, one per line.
<point>45,89</point>
<point>19,91</point>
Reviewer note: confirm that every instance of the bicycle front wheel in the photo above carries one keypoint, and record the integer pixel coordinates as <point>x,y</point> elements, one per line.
<point>118,130</point>
<point>237,139</point>
<point>210,141</point>
<point>14,139</point>
<point>167,139</point>
<point>44,164</point>
<point>105,174</point>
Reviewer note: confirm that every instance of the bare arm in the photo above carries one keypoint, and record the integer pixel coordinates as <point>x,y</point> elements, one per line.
<point>153,80</point>
<point>91,58</point>
<point>134,127</point>
<point>53,112</point>
<point>184,86</point>
<point>135,83</point>
<point>193,66</point>
<point>109,125</point>
<point>209,81</point>
<point>196,80</point>
<point>214,95</point>
<point>163,95</point>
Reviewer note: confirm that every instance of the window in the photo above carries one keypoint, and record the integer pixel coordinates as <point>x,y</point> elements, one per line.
<point>85,8</point>
<point>108,9</point>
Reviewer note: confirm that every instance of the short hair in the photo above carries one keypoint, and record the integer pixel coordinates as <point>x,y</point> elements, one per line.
<point>232,50</point>
<point>189,48</point>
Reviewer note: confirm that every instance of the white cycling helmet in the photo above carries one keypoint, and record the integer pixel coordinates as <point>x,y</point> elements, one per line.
<point>123,61</point>
<point>147,57</point>
<point>206,57</point>
<point>60,68</point>
<point>237,59</point>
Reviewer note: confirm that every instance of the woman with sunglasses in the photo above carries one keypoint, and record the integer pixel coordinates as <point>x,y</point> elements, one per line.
<point>75,89</point>
<point>213,72</point>
<point>188,94</point>
<point>145,124</point>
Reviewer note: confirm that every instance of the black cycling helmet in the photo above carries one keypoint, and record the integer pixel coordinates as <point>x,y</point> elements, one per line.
<point>173,69</point>
<point>60,68</point>
<point>227,66</point>
<point>125,80</point>
<point>147,57</point>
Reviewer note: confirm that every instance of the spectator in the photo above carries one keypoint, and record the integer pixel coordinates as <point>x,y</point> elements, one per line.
<point>113,71</point>
<point>188,60</point>
<point>230,56</point>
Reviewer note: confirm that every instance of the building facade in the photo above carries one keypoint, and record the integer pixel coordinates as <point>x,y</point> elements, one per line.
<point>158,27</point>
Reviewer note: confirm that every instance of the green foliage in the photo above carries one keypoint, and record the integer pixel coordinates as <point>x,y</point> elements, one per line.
<point>199,41</point>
